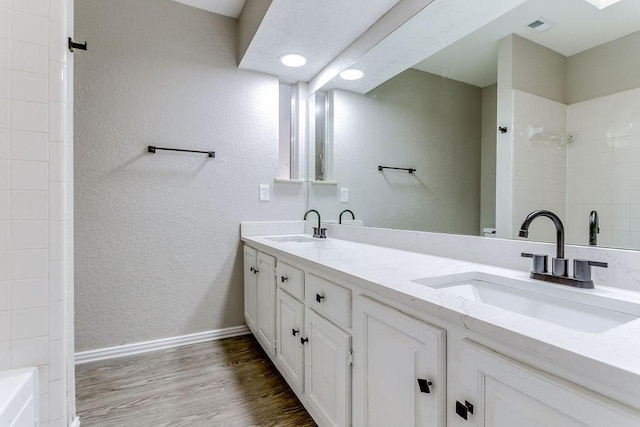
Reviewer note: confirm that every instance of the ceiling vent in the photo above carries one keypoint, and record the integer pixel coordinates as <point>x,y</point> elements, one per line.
<point>541,25</point>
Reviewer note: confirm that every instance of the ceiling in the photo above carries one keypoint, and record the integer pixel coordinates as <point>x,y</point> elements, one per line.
<point>222,7</point>
<point>578,26</point>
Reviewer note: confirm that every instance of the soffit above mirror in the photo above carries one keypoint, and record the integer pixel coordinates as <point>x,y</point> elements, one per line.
<point>230,8</point>
<point>319,31</point>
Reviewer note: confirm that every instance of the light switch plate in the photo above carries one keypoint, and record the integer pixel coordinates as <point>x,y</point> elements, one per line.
<point>264,192</point>
<point>344,195</point>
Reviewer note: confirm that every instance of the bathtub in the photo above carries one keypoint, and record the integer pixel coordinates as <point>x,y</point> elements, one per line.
<point>19,398</point>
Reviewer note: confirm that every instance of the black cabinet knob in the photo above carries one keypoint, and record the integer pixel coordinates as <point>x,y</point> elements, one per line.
<point>294,332</point>
<point>304,340</point>
<point>424,385</point>
<point>283,279</point>
<point>319,298</point>
<point>463,409</point>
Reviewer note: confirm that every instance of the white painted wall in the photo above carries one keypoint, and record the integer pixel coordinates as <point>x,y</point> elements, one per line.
<point>34,215</point>
<point>157,237</point>
<point>415,120</point>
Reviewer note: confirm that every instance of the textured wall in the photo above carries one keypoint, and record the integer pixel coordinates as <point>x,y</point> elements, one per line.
<point>414,120</point>
<point>157,237</point>
<point>34,217</point>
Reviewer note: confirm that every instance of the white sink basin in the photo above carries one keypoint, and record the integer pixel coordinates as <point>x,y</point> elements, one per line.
<point>293,239</point>
<point>580,310</point>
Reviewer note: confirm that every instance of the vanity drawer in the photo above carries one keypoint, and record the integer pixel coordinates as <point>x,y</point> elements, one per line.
<point>329,299</point>
<point>290,279</point>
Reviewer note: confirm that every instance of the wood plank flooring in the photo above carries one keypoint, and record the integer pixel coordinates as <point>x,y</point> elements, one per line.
<point>229,382</point>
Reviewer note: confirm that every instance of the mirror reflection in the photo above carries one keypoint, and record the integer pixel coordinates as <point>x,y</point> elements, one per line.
<point>562,82</point>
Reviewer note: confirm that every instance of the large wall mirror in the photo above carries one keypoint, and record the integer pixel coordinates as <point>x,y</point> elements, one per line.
<point>561,79</point>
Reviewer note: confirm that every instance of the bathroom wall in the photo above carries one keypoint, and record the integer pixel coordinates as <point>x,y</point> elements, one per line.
<point>417,120</point>
<point>157,235</point>
<point>34,216</point>
<point>609,68</point>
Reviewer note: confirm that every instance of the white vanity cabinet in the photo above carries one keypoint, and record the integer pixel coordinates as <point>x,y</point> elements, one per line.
<point>260,297</point>
<point>506,393</point>
<point>399,373</point>
<point>251,288</point>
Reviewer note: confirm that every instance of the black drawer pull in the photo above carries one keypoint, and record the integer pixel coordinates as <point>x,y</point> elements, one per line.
<point>424,385</point>
<point>319,298</point>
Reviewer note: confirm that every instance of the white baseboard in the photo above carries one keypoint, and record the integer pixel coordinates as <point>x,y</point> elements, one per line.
<point>161,344</point>
<point>75,423</point>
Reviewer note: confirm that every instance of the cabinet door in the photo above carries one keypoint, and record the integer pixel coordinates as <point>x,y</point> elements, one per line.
<point>392,353</point>
<point>267,303</point>
<point>251,288</point>
<point>290,323</point>
<point>507,393</point>
<point>327,371</point>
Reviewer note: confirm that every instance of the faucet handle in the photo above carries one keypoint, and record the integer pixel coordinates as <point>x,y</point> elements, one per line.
<point>582,268</point>
<point>323,233</point>
<point>539,262</point>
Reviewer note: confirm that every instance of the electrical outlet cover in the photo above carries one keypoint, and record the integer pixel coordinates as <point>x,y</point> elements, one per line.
<point>264,192</point>
<point>344,195</point>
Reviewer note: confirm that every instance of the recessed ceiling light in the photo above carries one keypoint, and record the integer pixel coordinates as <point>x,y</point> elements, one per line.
<point>541,24</point>
<point>351,74</point>
<point>293,60</point>
<point>601,4</point>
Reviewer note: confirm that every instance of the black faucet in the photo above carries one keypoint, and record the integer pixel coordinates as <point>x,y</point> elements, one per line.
<point>341,213</point>
<point>559,269</point>
<point>594,228</point>
<point>559,266</point>
<point>318,231</point>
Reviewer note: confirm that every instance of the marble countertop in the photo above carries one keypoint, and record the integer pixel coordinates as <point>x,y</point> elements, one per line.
<point>613,355</point>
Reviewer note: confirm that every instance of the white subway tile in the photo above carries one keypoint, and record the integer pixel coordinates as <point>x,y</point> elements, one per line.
<point>5,174</point>
<point>57,42</point>
<point>29,205</point>
<point>30,28</point>
<point>29,352</point>
<point>29,323</point>
<point>57,161</point>
<point>57,399</point>
<point>30,57</point>
<point>5,144</point>
<point>33,116</point>
<point>57,280</point>
<point>57,360</point>
<point>5,295</point>
<point>58,10</point>
<point>5,53</point>
<point>43,379</point>
<point>5,114</point>
<point>37,7</point>
<point>5,204</point>
<point>31,87</point>
<point>57,82</point>
<point>58,241</point>
<point>29,294</point>
<point>5,325</point>
<point>27,145</point>
<point>5,235</point>
<point>28,175</point>
<point>44,403</point>
<point>30,234</point>
<point>634,224</point>
<point>5,83</point>
<point>634,239</point>
<point>57,201</point>
<point>57,121</point>
<point>5,23</point>
<point>5,355</point>
<point>5,269</point>
<point>57,324</point>
<point>30,264</point>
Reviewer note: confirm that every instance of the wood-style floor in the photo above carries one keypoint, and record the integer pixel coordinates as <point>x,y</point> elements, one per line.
<point>230,382</point>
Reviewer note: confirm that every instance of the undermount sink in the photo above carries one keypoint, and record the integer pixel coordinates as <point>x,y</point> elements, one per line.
<point>579,310</point>
<point>292,239</point>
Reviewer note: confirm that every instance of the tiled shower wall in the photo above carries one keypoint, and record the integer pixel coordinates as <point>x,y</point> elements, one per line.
<point>539,168</point>
<point>33,213</point>
<point>604,169</point>
<point>599,170</point>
